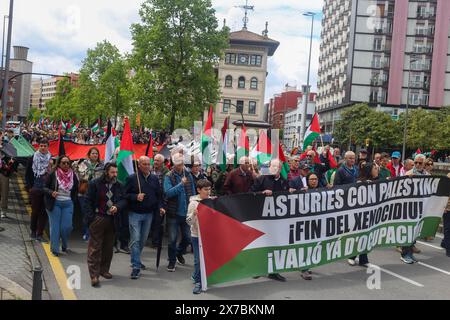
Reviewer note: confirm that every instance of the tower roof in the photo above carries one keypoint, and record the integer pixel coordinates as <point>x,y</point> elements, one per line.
<point>247,37</point>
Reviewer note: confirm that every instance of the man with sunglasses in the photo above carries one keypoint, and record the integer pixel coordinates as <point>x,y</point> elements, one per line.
<point>418,170</point>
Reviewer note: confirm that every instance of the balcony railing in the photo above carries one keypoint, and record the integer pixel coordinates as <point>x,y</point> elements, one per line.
<point>423,49</point>
<point>425,32</point>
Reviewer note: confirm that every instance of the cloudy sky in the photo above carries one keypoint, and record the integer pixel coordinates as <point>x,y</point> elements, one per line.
<point>58,32</point>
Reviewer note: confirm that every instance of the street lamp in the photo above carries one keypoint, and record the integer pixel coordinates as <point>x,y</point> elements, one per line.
<point>407,107</point>
<point>305,106</point>
<point>7,63</point>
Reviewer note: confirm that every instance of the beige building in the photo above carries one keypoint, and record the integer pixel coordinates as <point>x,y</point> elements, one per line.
<point>242,75</point>
<point>42,90</point>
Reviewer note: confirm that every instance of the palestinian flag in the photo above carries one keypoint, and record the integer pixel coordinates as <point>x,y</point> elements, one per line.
<point>207,139</point>
<point>73,128</point>
<point>243,145</point>
<point>284,164</point>
<point>125,157</point>
<point>96,126</point>
<point>263,149</point>
<point>224,145</point>
<point>110,143</point>
<point>332,161</point>
<point>18,148</point>
<point>312,132</point>
<point>149,150</point>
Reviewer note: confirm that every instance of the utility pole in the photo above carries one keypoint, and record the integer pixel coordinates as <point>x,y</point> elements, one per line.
<point>7,63</point>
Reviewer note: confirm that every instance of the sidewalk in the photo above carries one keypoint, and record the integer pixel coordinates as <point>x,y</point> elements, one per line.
<point>17,251</point>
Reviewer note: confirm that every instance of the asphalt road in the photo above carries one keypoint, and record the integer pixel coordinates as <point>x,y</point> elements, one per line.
<point>428,279</point>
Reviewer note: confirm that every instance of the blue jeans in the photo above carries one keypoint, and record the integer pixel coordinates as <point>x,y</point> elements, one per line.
<point>82,200</point>
<point>139,229</point>
<point>60,224</point>
<point>196,275</point>
<point>173,225</point>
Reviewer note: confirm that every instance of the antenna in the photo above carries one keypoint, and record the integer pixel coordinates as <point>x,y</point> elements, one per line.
<point>246,9</point>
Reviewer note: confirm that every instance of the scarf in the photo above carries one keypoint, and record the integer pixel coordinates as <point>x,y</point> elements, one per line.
<point>65,179</point>
<point>41,164</point>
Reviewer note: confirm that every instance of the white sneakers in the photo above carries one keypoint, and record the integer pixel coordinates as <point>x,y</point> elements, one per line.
<point>3,214</point>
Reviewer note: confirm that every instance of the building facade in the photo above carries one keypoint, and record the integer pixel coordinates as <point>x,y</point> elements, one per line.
<point>242,75</point>
<point>281,104</point>
<point>22,83</point>
<point>293,121</point>
<point>42,90</point>
<point>378,51</point>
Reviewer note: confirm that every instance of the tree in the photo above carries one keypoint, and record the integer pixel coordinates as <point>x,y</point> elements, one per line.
<point>104,83</point>
<point>34,114</point>
<point>176,47</point>
<point>360,122</point>
<point>61,106</point>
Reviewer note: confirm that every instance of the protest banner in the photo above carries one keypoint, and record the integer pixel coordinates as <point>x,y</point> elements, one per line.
<point>248,235</point>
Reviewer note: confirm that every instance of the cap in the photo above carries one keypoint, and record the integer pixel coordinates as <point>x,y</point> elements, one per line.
<point>305,166</point>
<point>396,154</point>
<point>363,151</point>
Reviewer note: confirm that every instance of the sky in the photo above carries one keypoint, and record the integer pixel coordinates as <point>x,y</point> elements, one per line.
<point>59,32</point>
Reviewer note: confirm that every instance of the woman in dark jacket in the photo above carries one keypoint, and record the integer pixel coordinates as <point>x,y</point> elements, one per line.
<point>60,194</point>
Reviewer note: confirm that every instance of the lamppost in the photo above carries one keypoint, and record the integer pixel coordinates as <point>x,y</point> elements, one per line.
<point>305,106</point>
<point>8,57</point>
<point>407,107</point>
<point>3,39</point>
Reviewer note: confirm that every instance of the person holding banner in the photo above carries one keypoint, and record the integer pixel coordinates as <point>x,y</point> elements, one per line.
<point>268,184</point>
<point>239,180</point>
<point>407,255</point>
<point>61,192</point>
<point>204,192</point>
<point>369,172</point>
<point>446,217</point>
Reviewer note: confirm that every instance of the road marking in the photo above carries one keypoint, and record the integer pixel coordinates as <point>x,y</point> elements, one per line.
<point>397,275</point>
<point>434,268</point>
<point>55,263</point>
<point>430,245</point>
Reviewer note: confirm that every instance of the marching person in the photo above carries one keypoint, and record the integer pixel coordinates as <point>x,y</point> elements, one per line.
<point>196,172</point>
<point>178,188</point>
<point>87,170</point>
<point>104,204</point>
<point>407,255</point>
<point>60,194</point>
<point>239,180</point>
<point>267,185</point>
<point>347,173</point>
<point>36,176</point>
<point>145,201</point>
<point>369,173</point>
<point>160,171</point>
<point>204,192</point>
<point>395,166</point>
<point>446,217</point>
<point>7,167</point>
<point>385,173</point>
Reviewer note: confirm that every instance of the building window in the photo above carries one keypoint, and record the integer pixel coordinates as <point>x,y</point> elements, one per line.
<point>226,105</point>
<point>230,58</point>
<point>256,60</point>
<point>241,84</point>
<point>243,59</point>
<point>252,107</point>
<point>254,83</point>
<point>228,81</point>
<point>378,44</point>
<point>239,106</point>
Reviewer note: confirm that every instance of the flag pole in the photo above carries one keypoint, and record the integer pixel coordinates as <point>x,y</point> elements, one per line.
<point>137,173</point>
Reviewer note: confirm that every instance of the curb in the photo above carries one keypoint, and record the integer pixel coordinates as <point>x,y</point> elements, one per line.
<point>16,291</point>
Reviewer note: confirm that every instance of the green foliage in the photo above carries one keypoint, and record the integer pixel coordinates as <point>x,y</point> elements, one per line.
<point>176,47</point>
<point>34,114</point>
<point>425,129</point>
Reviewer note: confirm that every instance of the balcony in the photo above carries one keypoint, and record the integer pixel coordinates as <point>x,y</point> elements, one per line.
<point>426,14</point>
<point>425,85</point>
<point>423,49</point>
<point>425,32</point>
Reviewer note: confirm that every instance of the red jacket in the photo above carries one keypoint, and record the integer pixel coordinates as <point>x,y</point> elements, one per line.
<point>392,169</point>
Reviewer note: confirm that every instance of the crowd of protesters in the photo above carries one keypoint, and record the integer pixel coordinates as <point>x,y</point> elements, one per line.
<point>125,216</point>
